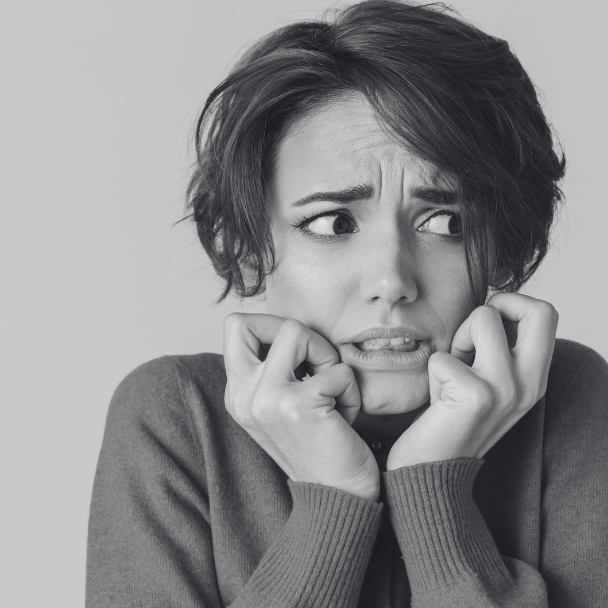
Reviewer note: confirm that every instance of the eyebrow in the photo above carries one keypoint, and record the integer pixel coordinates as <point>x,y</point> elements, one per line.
<point>436,196</point>
<point>344,197</point>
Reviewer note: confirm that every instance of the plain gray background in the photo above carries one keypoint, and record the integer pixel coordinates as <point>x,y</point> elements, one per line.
<point>98,100</point>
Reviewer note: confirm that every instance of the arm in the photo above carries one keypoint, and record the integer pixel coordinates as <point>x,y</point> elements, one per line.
<point>149,538</point>
<point>574,541</point>
<point>319,558</point>
<point>496,372</point>
<point>448,552</point>
<point>150,533</point>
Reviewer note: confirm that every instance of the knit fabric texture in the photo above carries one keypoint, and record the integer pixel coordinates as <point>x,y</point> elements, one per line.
<point>188,511</point>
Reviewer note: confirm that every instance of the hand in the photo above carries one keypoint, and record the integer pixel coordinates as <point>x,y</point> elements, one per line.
<point>496,371</point>
<point>303,425</point>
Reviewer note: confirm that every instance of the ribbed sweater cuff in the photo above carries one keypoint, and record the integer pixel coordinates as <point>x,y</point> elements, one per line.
<point>321,554</point>
<point>440,530</point>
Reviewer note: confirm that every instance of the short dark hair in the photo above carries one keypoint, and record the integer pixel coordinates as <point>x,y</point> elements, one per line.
<point>454,96</point>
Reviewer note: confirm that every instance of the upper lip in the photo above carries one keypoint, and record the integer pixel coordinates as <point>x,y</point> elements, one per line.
<point>399,331</point>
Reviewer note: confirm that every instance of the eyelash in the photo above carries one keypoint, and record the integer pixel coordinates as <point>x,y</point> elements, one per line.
<point>305,220</point>
<point>302,222</point>
<point>435,213</point>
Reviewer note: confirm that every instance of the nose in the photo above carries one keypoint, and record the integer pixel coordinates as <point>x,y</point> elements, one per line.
<point>387,272</point>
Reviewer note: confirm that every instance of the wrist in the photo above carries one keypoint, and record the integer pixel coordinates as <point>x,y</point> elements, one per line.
<point>367,491</point>
<point>408,456</point>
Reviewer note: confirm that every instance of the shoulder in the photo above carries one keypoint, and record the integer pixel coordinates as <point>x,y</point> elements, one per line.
<point>578,377</point>
<point>168,374</point>
<point>576,410</point>
<point>574,485</point>
<point>169,386</point>
<point>159,414</point>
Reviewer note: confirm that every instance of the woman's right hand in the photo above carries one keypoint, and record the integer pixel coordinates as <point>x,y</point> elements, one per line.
<point>303,425</point>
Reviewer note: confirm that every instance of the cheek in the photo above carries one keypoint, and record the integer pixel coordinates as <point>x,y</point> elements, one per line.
<point>446,291</point>
<point>305,288</point>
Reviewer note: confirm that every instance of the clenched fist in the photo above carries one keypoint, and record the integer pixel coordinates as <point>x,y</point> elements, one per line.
<point>496,371</point>
<point>304,425</point>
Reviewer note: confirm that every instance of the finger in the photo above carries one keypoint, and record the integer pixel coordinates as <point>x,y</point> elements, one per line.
<point>452,380</point>
<point>462,345</point>
<point>302,371</point>
<point>536,322</point>
<point>510,331</point>
<point>482,338</point>
<point>295,343</point>
<point>245,336</point>
<point>450,427</point>
<point>338,382</point>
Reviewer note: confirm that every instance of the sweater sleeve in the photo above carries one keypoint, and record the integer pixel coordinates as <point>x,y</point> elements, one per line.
<point>319,558</point>
<point>574,533</point>
<point>150,529</point>
<point>449,554</point>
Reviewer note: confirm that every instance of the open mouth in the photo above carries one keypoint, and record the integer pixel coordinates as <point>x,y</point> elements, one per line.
<point>387,353</point>
<point>399,344</point>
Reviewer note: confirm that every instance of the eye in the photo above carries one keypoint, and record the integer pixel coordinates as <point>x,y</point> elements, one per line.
<point>442,222</point>
<point>328,224</point>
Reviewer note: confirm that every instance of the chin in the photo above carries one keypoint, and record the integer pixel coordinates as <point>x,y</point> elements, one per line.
<point>392,392</point>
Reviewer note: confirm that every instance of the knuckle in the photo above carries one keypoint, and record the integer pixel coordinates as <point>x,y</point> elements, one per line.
<point>486,313</point>
<point>481,396</point>
<point>293,327</point>
<point>233,321</point>
<point>289,411</point>
<point>259,410</point>
<point>490,312</point>
<point>265,411</point>
<point>546,309</point>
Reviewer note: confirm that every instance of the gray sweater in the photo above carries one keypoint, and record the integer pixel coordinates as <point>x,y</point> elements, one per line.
<point>188,511</point>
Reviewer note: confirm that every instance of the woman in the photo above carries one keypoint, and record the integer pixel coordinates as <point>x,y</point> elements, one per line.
<point>377,177</point>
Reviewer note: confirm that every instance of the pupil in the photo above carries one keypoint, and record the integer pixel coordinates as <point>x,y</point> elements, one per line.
<point>341,225</point>
<point>455,225</point>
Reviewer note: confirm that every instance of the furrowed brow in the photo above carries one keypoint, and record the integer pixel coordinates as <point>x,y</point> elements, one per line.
<point>436,196</point>
<point>343,197</point>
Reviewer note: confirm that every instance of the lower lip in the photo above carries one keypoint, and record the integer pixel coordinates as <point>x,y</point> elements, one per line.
<point>386,359</point>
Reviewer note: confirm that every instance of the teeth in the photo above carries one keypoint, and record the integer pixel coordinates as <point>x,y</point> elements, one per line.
<point>379,342</point>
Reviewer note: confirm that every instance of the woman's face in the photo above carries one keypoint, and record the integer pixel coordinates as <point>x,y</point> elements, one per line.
<point>368,251</point>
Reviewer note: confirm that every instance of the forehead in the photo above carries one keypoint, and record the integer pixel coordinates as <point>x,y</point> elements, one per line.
<point>342,143</point>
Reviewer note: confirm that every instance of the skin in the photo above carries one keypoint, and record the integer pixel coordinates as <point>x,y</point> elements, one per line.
<point>392,265</point>
<point>386,274</point>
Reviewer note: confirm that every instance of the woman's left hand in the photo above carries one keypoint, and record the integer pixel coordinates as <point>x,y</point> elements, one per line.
<point>496,371</point>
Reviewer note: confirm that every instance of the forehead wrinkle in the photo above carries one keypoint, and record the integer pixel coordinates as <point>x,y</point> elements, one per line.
<point>355,144</point>
<point>396,171</point>
<point>330,143</point>
<point>364,147</point>
<point>429,173</point>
